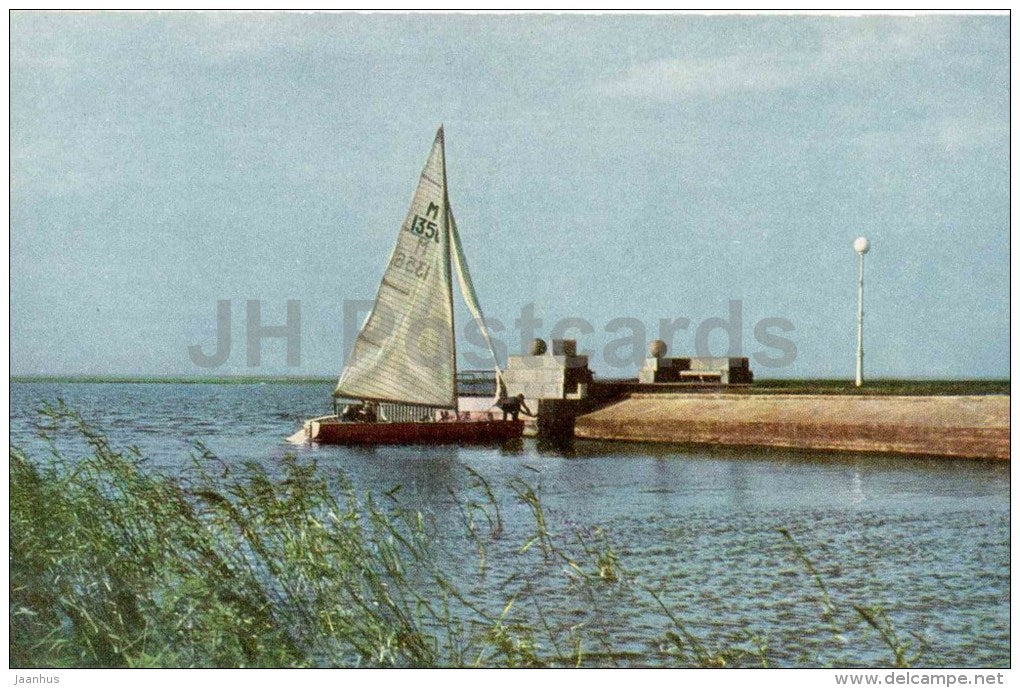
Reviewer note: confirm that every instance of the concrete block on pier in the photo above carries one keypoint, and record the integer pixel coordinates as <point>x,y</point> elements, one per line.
<point>710,369</point>
<point>558,375</point>
<point>555,385</point>
<point>547,376</point>
<point>662,370</point>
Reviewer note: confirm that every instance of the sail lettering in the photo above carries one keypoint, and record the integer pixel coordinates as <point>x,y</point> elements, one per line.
<point>433,211</point>
<point>424,227</point>
<point>419,268</point>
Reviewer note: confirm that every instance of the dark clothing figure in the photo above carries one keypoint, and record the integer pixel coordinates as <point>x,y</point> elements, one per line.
<point>513,407</point>
<point>364,413</point>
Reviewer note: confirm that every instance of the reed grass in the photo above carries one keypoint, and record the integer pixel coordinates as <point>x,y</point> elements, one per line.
<point>115,564</point>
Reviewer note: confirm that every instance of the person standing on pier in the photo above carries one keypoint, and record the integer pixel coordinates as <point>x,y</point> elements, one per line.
<point>513,407</point>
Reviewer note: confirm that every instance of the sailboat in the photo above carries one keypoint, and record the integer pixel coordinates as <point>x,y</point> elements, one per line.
<point>401,375</point>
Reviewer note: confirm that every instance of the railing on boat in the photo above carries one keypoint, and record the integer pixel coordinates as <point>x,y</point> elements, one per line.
<point>470,383</point>
<point>405,413</point>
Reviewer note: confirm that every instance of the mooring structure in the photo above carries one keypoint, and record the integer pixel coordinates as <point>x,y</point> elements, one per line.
<point>558,386</point>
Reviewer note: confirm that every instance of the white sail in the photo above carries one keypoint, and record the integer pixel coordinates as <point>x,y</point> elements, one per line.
<point>467,290</point>
<point>405,351</point>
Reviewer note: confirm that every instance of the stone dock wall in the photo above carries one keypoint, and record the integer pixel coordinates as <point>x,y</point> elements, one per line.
<point>960,426</point>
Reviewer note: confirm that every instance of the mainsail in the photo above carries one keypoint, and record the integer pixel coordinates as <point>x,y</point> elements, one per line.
<point>405,351</point>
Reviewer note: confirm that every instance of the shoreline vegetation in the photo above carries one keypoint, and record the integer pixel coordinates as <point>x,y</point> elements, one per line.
<point>115,564</point>
<point>883,386</point>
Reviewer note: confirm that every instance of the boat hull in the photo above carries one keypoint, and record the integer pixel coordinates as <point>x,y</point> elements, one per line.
<point>333,431</point>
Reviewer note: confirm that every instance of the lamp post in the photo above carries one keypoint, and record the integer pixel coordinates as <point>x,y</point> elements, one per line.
<point>861,246</point>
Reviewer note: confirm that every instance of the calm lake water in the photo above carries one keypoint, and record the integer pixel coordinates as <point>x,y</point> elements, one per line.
<point>927,540</point>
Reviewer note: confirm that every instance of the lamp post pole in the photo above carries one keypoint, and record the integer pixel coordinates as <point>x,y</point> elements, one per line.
<point>861,246</point>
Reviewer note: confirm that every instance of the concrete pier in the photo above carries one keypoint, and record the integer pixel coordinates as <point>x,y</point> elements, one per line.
<point>958,426</point>
<point>710,401</point>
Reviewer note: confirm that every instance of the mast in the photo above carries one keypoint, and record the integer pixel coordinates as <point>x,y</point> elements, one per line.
<point>449,259</point>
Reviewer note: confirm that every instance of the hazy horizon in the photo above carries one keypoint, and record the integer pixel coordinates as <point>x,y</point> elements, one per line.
<point>601,167</point>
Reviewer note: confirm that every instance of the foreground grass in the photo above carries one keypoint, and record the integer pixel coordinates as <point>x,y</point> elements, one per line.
<point>115,565</point>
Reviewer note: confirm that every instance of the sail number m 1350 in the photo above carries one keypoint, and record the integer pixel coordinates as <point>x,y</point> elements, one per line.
<point>425,227</point>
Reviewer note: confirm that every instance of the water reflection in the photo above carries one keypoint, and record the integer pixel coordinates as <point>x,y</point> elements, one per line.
<point>857,487</point>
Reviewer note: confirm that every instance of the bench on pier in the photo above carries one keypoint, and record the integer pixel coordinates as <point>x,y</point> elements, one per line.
<point>701,376</point>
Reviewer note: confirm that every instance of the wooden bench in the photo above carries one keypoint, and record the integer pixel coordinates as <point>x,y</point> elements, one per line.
<point>700,376</point>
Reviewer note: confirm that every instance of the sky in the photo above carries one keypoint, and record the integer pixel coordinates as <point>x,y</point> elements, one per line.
<point>645,167</point>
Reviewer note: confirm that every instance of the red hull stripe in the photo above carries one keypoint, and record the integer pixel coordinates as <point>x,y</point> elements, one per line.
<point>454,432</point>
